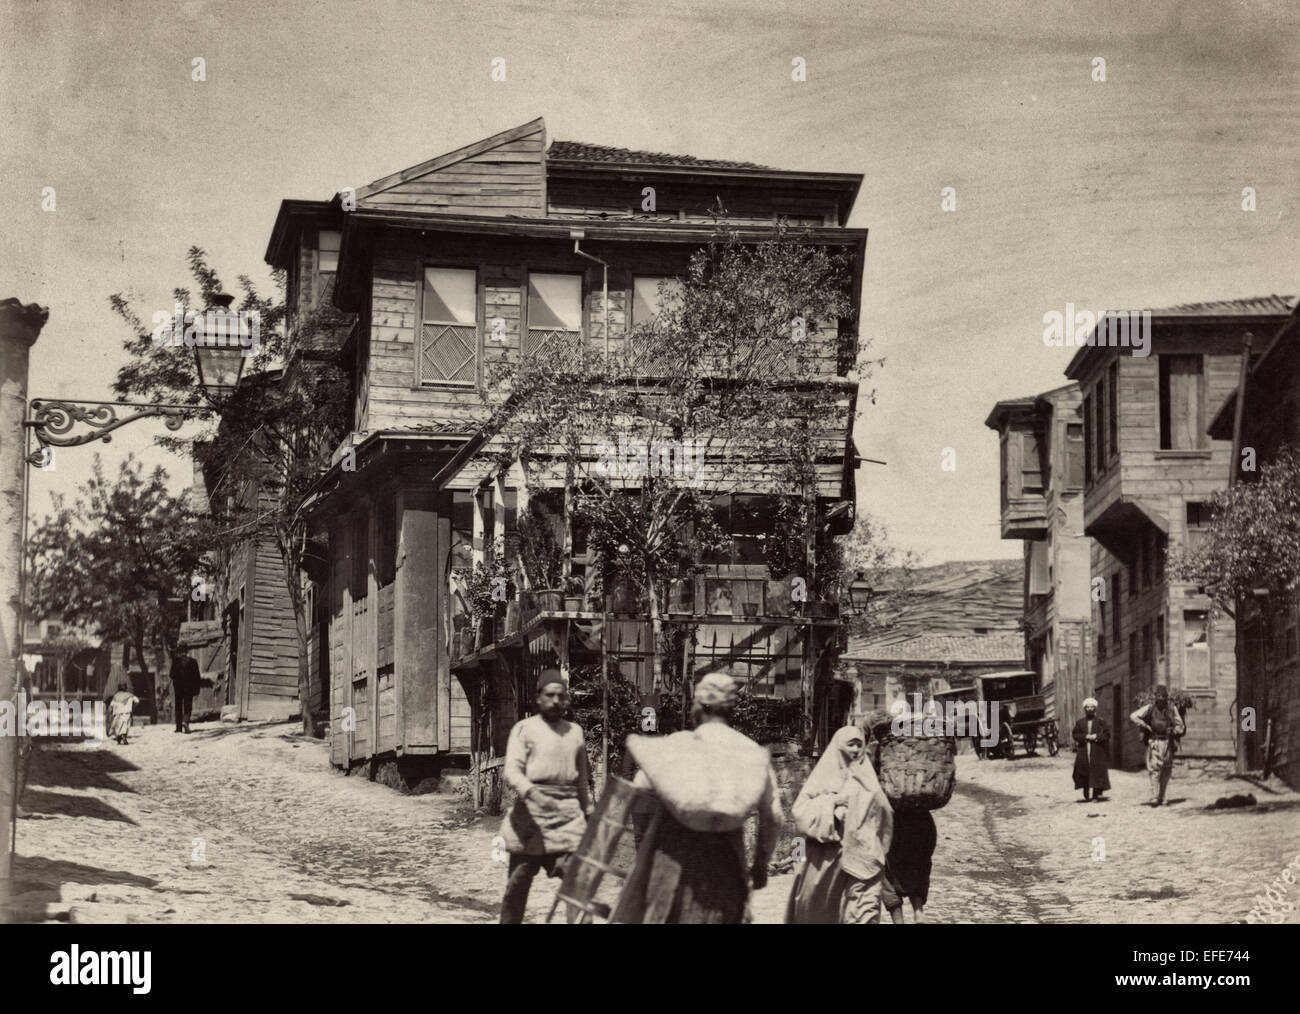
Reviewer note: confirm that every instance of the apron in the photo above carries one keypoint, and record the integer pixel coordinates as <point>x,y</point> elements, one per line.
<point>528,830</point>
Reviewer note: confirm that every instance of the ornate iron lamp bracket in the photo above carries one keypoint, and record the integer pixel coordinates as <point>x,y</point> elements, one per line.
<point>53,421</point>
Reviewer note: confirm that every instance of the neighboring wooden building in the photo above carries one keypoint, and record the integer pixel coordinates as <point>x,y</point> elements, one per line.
<point>431,259</point>
<point>1041,441</point>
<point>1269,659</point>
<point>961,619</point>
<point>1149,469</point>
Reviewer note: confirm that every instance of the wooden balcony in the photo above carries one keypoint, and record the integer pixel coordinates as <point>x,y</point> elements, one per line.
<point>1025,517</point>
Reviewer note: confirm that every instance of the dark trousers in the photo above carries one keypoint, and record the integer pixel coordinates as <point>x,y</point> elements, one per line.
<point>184,708</point>
<point>522,869</point>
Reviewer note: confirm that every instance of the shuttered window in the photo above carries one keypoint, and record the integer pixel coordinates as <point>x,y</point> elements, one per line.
<point>1196,649</point>
<point>1182,403</point>
<point>1074,472</point>
<point>449,333</point>
<point>1031,469</point>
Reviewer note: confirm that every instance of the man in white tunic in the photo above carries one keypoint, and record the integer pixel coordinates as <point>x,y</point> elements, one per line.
<point>546,765</point>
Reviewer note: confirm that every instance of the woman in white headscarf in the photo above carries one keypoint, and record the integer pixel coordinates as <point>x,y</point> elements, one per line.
<point>819,812</point>
<point>846,823</point>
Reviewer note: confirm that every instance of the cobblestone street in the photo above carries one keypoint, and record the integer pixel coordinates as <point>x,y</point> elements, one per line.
<point>113,837</point>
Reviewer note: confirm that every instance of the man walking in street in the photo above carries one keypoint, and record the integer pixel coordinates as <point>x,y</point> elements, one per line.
<point>1162,726</point>
<point>1091,752</point>
<point>687,874</point>
<point>546,765</point>
<point>185,685</point>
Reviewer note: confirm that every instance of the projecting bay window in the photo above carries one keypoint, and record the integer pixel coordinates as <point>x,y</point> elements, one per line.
<point>554,312</point>
<point>449,338</point>
<point>1182,403</point>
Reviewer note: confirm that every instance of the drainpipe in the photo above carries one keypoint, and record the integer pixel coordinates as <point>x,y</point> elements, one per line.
<point>577,235</point>
<point>1245,692</point>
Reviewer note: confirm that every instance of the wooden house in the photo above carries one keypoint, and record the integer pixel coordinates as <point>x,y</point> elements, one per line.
<point>1041,453</point>
<point>1149,469</point>
<point>960,619</point>
<point>491,251</point>
<point>1268,662</point>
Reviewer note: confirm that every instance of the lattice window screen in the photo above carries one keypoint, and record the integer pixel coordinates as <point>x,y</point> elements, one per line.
<point>447,354</point>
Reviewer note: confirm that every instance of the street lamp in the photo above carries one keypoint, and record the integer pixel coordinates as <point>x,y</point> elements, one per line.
<point>219,357</point>
<point>860,593</point>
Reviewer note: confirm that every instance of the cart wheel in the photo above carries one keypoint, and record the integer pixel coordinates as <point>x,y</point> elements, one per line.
<point>1031,743</point>
<point>1008,743</point>
<point>1053,747</point>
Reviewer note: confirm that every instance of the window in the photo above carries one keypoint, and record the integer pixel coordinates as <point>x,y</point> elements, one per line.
<point>1099,404</point>
<point>1074,456</point>
<point>1031,469</point>
<point>329,252</point>
<point>1198,523</point>
<point>554,310</point>
<point>1039,581</point>
<point>1182,404</point>
<point>1196,649</point>
<point>1087,439</point>
<point>1160,636</point>
<point>648,299</point>
<point>1113,421</point>
<point>1148,663</point>
<point>1101,630</point>
<point>449,338</point>
<point>1114,609</point>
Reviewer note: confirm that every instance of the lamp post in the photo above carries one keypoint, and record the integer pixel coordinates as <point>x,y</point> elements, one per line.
<point>218,363</point>
<point>860,594</point>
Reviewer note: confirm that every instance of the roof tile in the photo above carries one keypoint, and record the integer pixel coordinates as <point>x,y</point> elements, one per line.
<point>580,151</point>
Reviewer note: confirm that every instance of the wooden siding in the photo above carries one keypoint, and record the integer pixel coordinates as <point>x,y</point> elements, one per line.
<point>508,178</point>
<point>685,199</point>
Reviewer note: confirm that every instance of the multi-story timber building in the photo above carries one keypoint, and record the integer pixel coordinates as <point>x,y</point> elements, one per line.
<point>483,253</point>
<point>1149,469</point>
<point>1268,664</point>
<point>1041,441</point>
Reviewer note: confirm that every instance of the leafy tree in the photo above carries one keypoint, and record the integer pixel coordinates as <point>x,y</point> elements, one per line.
<point>272,438</point>
<point>1253,540</point>
<point>731,370</point>
<point>120,560</point>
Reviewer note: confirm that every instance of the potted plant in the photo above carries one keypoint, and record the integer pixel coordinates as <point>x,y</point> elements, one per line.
<point>573,595</point>
<point>479,582</point>
<point>541,556</point>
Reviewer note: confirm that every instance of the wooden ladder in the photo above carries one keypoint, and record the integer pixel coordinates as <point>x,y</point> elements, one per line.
<point>590,864</point>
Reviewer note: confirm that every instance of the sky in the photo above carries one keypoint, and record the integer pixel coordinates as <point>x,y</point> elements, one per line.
<point>1124,193</point>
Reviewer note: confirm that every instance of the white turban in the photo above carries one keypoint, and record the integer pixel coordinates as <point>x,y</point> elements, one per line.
<point>1090,702</point>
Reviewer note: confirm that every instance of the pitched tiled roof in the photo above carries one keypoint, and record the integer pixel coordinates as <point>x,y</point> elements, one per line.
<point>1262,306</point>
<point>580,151</point>
<point>996,646</point>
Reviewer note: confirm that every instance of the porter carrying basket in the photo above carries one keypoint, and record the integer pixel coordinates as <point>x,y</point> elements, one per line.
<point>918,772</point>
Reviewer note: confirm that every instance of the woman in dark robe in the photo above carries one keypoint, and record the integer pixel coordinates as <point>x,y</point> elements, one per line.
<point>1092,752</point>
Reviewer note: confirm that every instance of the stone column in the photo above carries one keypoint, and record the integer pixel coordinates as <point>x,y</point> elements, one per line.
<point>19,326</point>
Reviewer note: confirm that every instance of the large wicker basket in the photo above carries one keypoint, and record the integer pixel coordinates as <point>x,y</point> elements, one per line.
<point>918,772</point>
